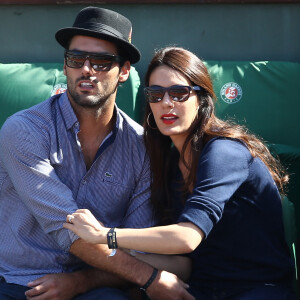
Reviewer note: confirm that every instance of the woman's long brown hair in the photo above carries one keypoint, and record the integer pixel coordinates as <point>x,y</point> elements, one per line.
<point>203,129</point>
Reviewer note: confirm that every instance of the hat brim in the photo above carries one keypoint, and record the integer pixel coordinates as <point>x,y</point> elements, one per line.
<point>64,35</point>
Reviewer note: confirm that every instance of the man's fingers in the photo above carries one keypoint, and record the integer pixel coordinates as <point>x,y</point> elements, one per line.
<point>185,285</point>
<point>185,294</point>
<point>38,281</point>
<point>36,291</point>
<point>34,283</point>
<point>38,287</point>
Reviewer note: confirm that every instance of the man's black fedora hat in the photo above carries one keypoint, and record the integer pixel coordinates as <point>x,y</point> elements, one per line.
<point>103,24</point>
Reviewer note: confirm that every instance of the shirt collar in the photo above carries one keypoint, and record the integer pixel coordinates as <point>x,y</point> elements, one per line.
<point>67,111</point>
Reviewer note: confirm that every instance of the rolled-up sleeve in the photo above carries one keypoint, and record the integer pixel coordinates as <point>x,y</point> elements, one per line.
<point>222,168</point>
<point>24,155</point>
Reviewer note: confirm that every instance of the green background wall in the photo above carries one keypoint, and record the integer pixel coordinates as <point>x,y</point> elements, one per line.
<point>213,31</point>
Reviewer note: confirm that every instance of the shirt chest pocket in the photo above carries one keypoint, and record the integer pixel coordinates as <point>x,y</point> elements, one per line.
<point>108,198</point>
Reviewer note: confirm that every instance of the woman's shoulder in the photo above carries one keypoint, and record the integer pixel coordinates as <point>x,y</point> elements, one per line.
<point>229,149</point>
<point>224,143</point>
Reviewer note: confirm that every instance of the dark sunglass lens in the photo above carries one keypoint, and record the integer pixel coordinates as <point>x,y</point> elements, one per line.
<point>75,61</point>
<point>179,94</point>
<point>99,64</point>
<point>153,95</point>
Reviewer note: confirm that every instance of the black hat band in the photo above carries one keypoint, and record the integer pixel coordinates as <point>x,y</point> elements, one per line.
<point>100,27</point>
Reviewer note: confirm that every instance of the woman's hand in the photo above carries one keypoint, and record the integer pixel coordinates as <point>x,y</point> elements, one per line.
<point>86,226</point>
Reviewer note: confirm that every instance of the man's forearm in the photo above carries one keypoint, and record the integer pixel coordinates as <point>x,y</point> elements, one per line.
<point>89,279</point>
<point>165,286</point>
<point>126,267</point>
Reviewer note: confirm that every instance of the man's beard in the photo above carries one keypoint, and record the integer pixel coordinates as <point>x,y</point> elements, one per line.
<point>92,101</point>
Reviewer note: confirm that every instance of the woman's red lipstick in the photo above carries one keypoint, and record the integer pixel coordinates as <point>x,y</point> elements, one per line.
<point>168,118</point>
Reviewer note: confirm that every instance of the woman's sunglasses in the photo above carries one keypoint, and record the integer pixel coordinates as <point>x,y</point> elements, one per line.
<point>99,62</point>
<point>178,93</point>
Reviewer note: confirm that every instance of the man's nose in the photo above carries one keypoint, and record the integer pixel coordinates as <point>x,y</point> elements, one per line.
<point>87,68</point>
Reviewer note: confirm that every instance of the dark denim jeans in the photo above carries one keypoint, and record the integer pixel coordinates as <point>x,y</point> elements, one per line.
<point>264,292</point>
<point>10,291</point>
<point>104,294</point>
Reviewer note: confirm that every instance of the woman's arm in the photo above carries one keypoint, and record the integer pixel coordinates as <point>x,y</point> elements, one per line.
<point>170,239</point>
<point>176,264</point>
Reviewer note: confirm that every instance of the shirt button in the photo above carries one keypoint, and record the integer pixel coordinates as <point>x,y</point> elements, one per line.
<point>83,181</point>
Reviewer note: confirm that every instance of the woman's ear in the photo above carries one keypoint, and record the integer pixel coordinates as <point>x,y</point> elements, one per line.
<point>124,72</point>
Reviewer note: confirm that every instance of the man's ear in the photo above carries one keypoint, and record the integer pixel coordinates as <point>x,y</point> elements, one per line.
<point>124,72</point>
<point>64,68</point>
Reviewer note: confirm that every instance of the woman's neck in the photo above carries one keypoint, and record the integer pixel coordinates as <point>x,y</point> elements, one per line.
<point>178,141</point>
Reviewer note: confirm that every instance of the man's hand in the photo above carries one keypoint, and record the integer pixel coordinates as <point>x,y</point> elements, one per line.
<point>168,286</point>
<point>53,287</point>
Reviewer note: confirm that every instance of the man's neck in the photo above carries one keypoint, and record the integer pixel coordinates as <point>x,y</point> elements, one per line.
<point>95,125</point>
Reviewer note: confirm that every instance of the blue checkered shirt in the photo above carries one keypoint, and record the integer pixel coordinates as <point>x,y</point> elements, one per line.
<point>43,177</point>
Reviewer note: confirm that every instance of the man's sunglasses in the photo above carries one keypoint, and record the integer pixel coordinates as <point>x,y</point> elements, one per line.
<point>178,93</point>
<point>99,62</point>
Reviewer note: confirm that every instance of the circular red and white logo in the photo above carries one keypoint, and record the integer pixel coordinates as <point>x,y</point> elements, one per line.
<point>231,93</point>
<point>59,89</point>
